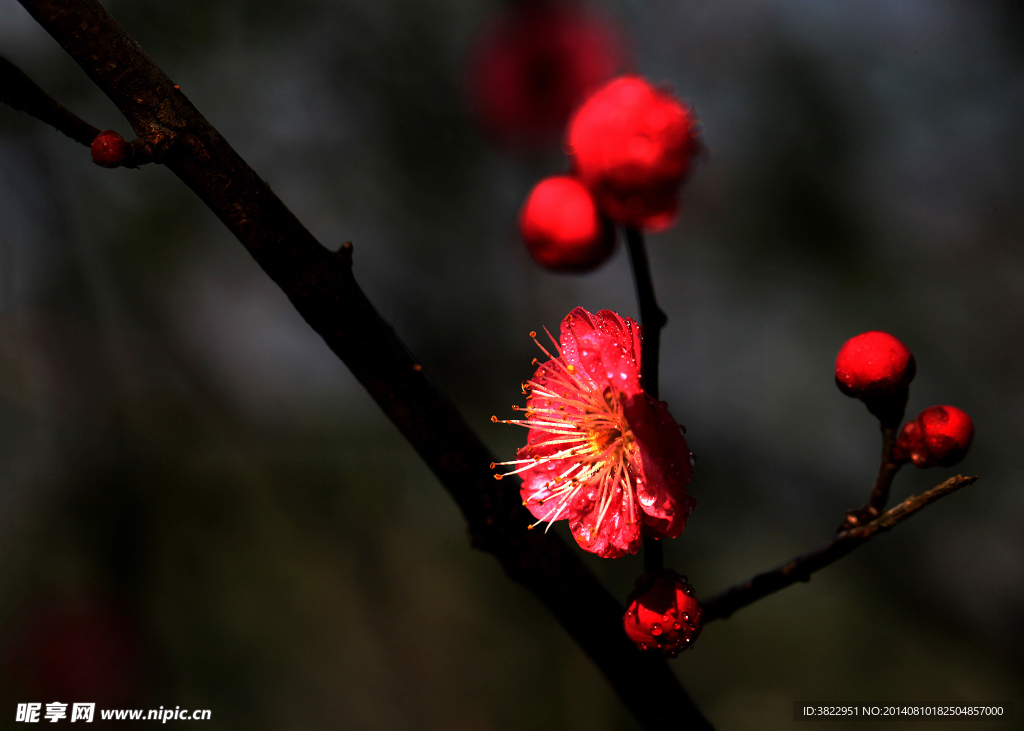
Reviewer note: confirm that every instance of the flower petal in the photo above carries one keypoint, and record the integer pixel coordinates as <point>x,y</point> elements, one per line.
<point>606,346</point>
<point>619,531</point>
<point>662,464</point>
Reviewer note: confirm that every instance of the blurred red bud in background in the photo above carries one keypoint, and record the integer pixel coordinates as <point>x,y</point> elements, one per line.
<point>562,228</point>
<point>534,64</point>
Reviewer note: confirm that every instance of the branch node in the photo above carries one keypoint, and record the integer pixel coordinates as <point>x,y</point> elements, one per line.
<point>345,253</point>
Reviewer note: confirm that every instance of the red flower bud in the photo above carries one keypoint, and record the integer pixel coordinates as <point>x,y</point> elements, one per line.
<point>940,435</point>
<point>631,145</point>
<point>877,368</point>
<point>562,228</point>
<point>663,614</point>
<point>535,65</point>
<point>109,149</point>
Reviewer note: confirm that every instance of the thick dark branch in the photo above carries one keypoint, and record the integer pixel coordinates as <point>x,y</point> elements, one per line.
<point>321,285</point>
<point>722,606</point>
<point>19,91</point>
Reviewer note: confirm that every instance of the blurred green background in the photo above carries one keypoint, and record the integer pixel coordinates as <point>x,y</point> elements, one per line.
<point>199,506</point>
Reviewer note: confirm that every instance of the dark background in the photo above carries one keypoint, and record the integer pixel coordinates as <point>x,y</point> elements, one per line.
<point>200,507</point>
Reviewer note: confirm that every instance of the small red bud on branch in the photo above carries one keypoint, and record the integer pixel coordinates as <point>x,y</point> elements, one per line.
<point>663,613</point>
<point>939,436</point>
<point>109,149</point>
<point>877,368</point>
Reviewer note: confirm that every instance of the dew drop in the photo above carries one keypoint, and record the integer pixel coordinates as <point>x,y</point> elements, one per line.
<point>656,629</point>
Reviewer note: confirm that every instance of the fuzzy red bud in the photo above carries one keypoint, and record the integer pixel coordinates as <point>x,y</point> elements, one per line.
<point>109,149</point>
<point>663,614</point>
<point>631,144</point>
<point>939,436</point>
<point>562,228</point>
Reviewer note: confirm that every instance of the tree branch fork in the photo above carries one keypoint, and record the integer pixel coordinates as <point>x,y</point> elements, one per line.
<point>154,140</point>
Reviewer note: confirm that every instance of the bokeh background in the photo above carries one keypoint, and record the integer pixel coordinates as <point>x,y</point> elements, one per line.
<point>200,507</point>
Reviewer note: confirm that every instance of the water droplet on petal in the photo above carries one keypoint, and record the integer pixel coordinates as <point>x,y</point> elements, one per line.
<point>656,629</point>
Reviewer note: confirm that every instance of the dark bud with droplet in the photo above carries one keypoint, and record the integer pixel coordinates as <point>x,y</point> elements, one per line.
<point>663,614</point>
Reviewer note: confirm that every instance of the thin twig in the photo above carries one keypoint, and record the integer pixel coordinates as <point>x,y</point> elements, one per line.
<point>321,286</point>
<point>652,320</point>
<point>887,470</point>
<point>722,606</point>
<point>654,555</point>
<point>19,91</point>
